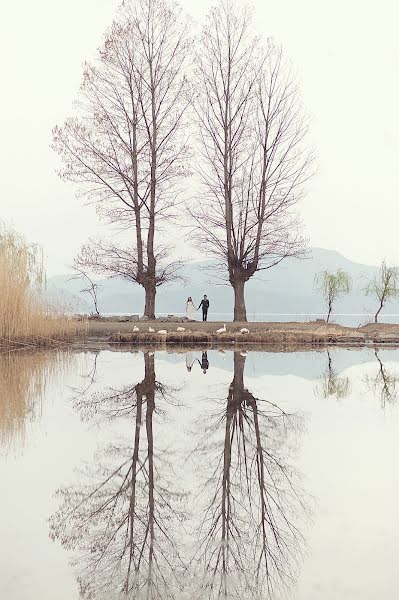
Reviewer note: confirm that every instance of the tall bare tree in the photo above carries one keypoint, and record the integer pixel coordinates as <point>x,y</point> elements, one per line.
<point>126,144</point>
<point>252,132</point>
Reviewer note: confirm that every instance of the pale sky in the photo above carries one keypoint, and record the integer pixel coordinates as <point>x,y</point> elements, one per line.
<point>346,53</point>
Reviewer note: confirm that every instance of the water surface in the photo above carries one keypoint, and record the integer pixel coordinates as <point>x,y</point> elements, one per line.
<point>199,475</point>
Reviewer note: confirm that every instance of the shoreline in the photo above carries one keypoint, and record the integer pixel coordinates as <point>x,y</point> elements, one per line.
<point>108,333</point>
<point>262,334</point>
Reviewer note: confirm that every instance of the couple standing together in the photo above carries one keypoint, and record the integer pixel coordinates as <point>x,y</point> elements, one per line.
<point>190,308</point>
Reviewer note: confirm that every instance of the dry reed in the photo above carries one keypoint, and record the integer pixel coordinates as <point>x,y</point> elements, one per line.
<point>25,315</point>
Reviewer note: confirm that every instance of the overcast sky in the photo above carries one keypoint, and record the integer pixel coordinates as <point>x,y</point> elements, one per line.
<point>346,53</point>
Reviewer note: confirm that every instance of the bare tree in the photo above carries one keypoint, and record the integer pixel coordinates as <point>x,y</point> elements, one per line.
<point>91,288</point>
<point>249,538</point>
<point>126,145</point>
<point>121,517</point>
<point>255,164</point>
<point>384,286</point>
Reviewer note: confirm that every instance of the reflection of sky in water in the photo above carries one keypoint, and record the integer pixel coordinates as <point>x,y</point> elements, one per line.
<point>341,452</point>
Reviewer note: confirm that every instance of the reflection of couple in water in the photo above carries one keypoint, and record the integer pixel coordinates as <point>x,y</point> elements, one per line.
<point>204,363</point>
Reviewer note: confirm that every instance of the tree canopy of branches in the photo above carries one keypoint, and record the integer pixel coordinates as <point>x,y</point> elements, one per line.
<point>384,286</point>
<point>252,132</point>
<point>126,144</point>
<point>332,286</point>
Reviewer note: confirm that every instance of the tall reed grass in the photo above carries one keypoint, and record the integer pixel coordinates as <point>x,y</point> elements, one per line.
<point>26,317</point>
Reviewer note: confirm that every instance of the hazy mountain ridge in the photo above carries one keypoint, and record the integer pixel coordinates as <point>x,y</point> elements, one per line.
<point>286,288</point>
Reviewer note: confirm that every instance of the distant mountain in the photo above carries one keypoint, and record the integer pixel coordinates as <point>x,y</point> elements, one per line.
<point>286,288</point>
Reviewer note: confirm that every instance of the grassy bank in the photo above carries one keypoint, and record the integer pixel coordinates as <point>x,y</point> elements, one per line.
<point>204,338</point>
<point>287,335</point>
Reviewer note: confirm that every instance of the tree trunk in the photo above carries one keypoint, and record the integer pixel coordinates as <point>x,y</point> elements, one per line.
<point>238,381</point>
<point>329,313</point>
<point>149,309</point>
<point>150,378</point>
<point>240,311</point>
<point>378,312</point>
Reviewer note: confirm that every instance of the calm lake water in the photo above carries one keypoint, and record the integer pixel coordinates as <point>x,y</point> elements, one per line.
<point>180,476</point>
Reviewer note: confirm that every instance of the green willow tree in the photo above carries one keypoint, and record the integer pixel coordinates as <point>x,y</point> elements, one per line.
<point>384,286</point>
<point>332,285</point>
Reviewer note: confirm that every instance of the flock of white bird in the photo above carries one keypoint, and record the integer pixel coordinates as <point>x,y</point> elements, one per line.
<point>181,329</point>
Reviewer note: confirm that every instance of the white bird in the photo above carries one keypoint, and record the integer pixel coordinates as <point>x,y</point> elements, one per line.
<point>136,329</point>
<point>244,353</point>
<point>222,329</point>
<point>181,329</point>
<point>150,354</point>
<point>151,330</point>
<point>244,330</point>
<point>162,332</point>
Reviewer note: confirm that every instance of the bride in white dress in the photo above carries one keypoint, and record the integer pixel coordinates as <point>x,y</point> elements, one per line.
<point>189,308</point>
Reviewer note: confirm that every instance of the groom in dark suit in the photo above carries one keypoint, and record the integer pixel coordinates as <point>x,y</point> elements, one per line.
<point>205,306</point>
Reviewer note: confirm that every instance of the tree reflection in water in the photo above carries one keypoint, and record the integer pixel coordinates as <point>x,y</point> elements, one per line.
<point>122,523</point>
<point>384,383</point>
<point>250,543</point>
<point>332,384</point>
